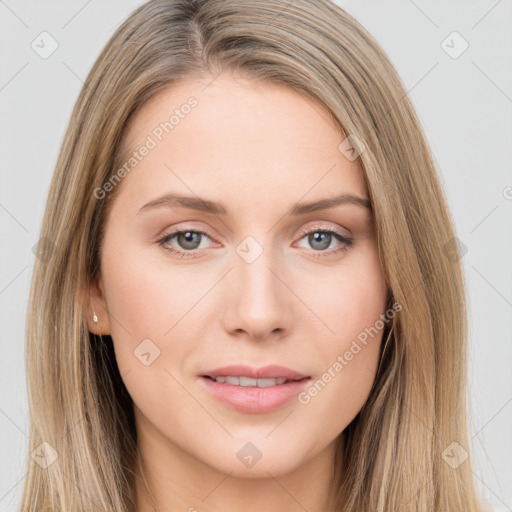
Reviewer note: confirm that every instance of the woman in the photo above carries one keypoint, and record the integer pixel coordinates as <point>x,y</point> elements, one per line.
<point>250,297</point>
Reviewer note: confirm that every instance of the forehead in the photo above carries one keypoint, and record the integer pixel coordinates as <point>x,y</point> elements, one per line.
<point>238,140</point>
<point>234,107</point>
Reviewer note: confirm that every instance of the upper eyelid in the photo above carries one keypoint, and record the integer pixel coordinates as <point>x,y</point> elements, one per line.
<point>322,227</point>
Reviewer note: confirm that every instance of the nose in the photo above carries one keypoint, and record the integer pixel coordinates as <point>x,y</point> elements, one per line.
<point>259,304</point>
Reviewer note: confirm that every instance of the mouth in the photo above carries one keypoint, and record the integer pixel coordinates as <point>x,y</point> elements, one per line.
<point>246,375</point>
<point>250,390</point>
<point>245,381</point>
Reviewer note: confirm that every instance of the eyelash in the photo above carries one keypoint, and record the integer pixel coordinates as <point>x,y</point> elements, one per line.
<point>313,229</point>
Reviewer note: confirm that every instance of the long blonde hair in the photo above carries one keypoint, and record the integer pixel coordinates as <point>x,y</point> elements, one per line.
<point>395,448</point>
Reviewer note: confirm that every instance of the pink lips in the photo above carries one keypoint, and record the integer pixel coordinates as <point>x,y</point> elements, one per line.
<point>254,399</point>
<point>267,372</point>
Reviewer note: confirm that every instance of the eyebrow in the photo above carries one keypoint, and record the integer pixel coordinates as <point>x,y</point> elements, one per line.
<point>219,208</point>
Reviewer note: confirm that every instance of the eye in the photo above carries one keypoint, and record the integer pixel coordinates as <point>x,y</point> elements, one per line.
<point>189,240</point>
<point>320,238</point>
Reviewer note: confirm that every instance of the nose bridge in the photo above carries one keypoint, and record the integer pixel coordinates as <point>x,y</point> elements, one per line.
<point>260,301</point>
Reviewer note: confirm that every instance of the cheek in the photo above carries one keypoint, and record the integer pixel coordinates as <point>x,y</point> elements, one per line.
<point>353,301</point>
<point>147,298</point>
<point>352,306</point>
<point>353,350</point>
<point>149,306</point>
<point>148,301</point>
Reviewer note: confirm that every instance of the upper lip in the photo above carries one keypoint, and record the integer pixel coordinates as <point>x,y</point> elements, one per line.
<point>266,372</point>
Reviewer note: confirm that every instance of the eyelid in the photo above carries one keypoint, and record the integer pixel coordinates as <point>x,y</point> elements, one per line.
<point>182,228</point>
<point>318,226</point>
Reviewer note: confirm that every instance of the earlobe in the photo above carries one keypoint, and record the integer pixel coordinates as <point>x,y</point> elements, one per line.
<point>98,319</point>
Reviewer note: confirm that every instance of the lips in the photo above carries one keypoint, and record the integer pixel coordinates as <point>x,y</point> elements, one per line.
<point>267,372</point>
<point>254,390</point>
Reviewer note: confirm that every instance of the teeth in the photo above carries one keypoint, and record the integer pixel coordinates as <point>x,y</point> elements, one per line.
<point>248,381</point>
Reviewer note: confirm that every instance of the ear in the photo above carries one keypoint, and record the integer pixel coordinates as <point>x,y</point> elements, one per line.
<point>97,304</point>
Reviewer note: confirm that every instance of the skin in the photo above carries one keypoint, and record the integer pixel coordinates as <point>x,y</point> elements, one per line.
<point>259,148</point>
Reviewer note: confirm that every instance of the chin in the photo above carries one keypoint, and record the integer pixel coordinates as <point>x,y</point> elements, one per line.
<point>257,460</point>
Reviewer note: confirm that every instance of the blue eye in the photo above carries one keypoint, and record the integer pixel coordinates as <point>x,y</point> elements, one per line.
<point>320,238</point>
<point>189,239</point>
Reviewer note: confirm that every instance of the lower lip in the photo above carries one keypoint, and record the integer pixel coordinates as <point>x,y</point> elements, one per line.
<point>254,399</point>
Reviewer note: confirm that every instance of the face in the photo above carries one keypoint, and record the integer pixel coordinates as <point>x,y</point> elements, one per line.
<point>211,258</point>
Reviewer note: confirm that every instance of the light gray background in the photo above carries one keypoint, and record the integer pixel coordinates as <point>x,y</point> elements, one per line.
<point>465,105</point>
